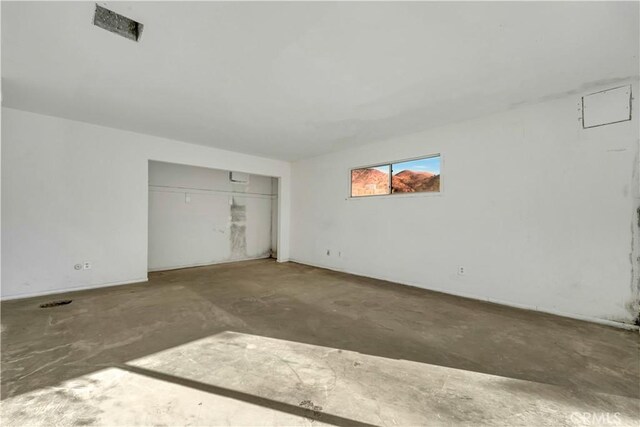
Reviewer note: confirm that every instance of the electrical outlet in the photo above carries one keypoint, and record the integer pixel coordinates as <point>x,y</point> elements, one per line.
<point>328,252</point>
<point>77,267</point>
<point>86,266</point>
<point>461,270</point>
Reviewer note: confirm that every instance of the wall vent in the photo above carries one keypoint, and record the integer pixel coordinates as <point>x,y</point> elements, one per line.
<point>55,303</point>
<point>116,23</point>
<point>239,177</point>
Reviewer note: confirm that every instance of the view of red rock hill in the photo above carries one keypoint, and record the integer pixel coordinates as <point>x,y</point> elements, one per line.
<point>368,182</point>
<point>409,181</point>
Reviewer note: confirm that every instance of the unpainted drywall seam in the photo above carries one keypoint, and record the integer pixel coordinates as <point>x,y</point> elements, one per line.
<point>238,234</point>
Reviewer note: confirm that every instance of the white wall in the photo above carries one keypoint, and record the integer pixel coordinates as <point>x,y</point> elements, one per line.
<point>74,192</point>
<point>539,211</point>
<point>197,216</point>
<point>274,218</point>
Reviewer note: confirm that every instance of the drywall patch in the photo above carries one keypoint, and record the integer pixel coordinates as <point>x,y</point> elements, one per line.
<point>238,229</point>
<point>606,107</point>
<point>238,239</point>
<point>238,213</point>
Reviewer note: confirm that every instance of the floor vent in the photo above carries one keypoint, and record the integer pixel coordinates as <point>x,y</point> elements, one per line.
<point>116,23</point>
<point>55,303</point>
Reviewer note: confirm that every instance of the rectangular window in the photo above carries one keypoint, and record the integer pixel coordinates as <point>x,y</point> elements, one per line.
<point>410,176</point>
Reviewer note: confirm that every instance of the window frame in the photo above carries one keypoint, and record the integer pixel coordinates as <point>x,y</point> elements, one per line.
<point>391,193</point>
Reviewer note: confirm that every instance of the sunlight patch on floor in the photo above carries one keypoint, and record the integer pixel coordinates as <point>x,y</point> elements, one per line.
<point>241,379</point>
<point>118,397</point>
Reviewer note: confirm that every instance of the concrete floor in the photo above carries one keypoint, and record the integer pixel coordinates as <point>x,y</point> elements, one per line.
<point>264,343</point>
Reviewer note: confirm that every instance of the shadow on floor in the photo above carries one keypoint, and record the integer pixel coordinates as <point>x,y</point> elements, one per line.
<point>253,399</point>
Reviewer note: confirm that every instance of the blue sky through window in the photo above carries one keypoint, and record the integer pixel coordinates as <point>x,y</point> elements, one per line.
<point>431,164</point>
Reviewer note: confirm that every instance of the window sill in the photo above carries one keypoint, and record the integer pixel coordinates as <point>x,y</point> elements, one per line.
<point>397,196</point>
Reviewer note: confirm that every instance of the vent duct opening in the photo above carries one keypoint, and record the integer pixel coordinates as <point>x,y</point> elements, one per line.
<point>116,23</point>
<point>55,303</point>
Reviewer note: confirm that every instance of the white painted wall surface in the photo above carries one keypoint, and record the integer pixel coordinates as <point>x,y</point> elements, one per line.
<point>74,192</point>
<point>539,211</point>
<point>191,216</point>
<point>274,217</point>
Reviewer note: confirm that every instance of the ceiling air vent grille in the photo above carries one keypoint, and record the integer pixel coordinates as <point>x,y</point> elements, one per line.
<point>118,24</point>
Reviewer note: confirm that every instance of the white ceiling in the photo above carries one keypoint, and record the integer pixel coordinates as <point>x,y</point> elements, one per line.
<point>291,80</point>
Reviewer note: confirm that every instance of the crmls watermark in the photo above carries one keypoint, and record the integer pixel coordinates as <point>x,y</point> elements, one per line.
<point>596,418</point>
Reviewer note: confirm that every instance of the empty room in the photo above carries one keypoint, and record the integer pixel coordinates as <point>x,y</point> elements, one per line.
<point>320,213</point>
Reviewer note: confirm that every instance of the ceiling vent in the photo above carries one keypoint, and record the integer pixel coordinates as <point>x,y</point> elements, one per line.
<point>118,24</point>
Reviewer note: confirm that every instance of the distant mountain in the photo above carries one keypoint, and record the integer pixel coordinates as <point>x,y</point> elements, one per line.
<point>369,181</point>
<point>409,181</point>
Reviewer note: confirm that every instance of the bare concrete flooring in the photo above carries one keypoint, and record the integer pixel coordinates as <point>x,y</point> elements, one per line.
<point>261,343</point>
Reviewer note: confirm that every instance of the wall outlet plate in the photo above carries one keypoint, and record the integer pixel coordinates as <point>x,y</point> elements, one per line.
<point>86,266</point>
<point>461,270</point>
